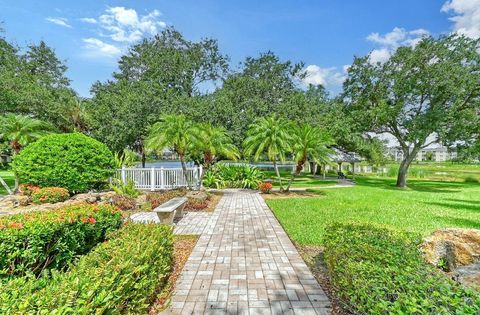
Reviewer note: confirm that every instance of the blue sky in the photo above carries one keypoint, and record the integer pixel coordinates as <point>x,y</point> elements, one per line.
<point>91,35</point>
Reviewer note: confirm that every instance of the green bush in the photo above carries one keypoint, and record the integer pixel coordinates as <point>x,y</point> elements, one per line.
<point>376,270</point>
<point>72,161</point>
<point>233,176</point>
<point>120,276</point>
<point>35,241</point>
<point>50,195</point>
<point>471,179</point>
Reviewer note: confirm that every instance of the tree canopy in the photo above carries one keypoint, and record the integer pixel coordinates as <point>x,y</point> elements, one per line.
<point>427,91</point>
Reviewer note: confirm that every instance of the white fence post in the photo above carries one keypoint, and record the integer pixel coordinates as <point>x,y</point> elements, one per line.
<point>162,178</point>
<point>152,179</point>
<point>200,173</point>
<point>123,175</point>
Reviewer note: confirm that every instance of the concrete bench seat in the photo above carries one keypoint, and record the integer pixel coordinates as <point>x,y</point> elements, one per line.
<point>171,209</point>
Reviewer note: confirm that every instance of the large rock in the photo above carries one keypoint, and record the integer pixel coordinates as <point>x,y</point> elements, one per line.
<point>199,196</point>
<point>451,248</point>
<point>14,201</point>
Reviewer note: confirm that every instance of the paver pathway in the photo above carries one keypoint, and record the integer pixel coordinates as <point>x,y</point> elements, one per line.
<point>244,263</point>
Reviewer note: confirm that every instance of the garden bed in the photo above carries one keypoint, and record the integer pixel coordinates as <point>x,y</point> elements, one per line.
<point>182,248</point>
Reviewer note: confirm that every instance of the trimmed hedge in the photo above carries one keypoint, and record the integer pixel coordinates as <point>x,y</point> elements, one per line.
<point>72,161</point>
<point>50,195</point>
<point>377,270</point>
<point>35,241</point>
<point>120,276</point>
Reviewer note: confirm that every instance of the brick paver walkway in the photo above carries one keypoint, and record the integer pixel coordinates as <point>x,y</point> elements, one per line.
<point>244,263</point>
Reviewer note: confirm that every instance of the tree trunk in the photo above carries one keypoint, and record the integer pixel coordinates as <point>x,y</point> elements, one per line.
<point>324,170</point>
<point>184,168</point>
<point>278,174</point>
<point>298,169</point>
<point>403,170</point>
<point>144,159</point>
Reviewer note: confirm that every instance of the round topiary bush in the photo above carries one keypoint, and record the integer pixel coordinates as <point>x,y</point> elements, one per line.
<point>72,161</point>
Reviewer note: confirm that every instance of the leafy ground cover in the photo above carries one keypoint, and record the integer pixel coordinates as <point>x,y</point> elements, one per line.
<point>425,206</point>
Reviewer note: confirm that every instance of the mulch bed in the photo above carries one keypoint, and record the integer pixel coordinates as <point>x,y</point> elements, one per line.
<point>183,246</point>
<point>291,194</point>
<point>313,257</point>
<point>209,205</point>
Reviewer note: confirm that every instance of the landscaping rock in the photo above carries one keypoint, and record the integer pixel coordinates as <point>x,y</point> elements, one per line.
<point>198,196</point>
<point>14,201</point>
<point>453,247</point>
<point>141,200</point>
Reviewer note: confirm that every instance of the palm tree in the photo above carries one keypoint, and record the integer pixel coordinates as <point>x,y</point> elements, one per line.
<point>175,132</point>
<point>271,135</point>
<point>310,144</point>
<point>21,130</point>
<point>212,142</point>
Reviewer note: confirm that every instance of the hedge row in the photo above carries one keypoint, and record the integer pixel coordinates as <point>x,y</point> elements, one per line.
<point>36,241</point>
<point>119,276</point>
<point>376,270</point>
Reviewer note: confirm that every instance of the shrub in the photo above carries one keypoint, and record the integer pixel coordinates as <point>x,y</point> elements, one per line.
<point>120,276</point>
<point>127,189</point>
<point>233,176</point>
<point>34,241</point>
<point>376,270</point>
<point>124,202</point>
<point>265,187</point>
<point>27,189</point>
<point>471,179</point>
<point>72,161</point>
<point>50,195</point>
<point>157,198</point>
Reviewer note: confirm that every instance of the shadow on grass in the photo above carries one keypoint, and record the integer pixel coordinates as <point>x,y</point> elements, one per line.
<point>458,222</point>
<point>456,206</point>
<point>415,185</point>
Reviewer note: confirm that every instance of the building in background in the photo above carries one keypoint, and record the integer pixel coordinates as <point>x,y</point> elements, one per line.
<point>437,153</point>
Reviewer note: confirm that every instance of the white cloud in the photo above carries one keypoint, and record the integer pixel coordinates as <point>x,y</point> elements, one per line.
<point>89,20</point>
<point>390,41</point>
<point>466,16</point>
<point>96,48</point>
<point>126,25</point>
<point>328,77</point>
<point>379,55</point>
<point>59,21</point>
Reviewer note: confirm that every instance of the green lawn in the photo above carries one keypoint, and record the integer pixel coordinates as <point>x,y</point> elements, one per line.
<point>422,208</point>
<point>8,177</point>
<point>304,180</point>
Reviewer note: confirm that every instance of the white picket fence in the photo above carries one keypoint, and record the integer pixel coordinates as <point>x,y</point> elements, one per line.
<point>160,178</point>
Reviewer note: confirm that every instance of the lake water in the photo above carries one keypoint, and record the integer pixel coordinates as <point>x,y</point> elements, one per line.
<point>176,164</point>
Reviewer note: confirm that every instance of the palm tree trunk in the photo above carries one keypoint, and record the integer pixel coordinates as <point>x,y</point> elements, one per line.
<point>275,166</point>
<point>298,169</point>
<point>184,168</point>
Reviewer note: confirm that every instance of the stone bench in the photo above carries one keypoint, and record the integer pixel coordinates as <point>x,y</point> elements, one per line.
<point>171,209</point>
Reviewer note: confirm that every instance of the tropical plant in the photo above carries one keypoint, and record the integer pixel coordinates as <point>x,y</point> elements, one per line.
<point>265,187</point>
<point>50,195</point>
<point>174,132</point>
<point>310,145</point>
<point>127,158</point>
<point>124,189</point>
<point>21,130</point>
<point>233,176</point>
<point>271,135</point>
<point>213,142</point>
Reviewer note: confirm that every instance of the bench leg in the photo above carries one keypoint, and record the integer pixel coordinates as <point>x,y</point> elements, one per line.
<point>179,212</point>
<point>166,217</point>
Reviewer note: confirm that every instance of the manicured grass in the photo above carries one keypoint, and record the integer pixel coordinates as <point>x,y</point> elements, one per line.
<point>422,208</point>
<point>9,179</point>
<point>304,180</point>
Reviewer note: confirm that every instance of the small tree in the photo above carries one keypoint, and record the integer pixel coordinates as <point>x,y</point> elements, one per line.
<point>21,130</point>
<point>428,91</point>
<point>271,135</point>
<point>310,143</point>
<point>174,132</point>
<point>211,143</point>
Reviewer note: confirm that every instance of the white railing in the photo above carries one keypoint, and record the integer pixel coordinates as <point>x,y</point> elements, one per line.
<point>160,178</point>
